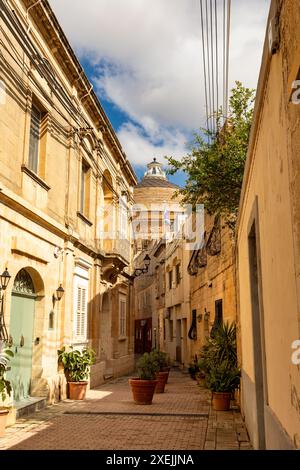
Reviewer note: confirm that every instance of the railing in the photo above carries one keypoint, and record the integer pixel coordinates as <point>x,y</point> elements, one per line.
<point>113,243</point>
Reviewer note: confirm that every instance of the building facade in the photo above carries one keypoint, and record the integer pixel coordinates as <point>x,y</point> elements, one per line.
<point>156,216</point>
<point>212,281</point>
<point>268,243</point>
<point>177,302</point>
<point>65,187</point>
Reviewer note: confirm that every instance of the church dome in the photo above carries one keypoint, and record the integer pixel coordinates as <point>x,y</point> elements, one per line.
<point>155,176</point>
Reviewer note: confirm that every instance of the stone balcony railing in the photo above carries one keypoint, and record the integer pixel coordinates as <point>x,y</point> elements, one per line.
<point>114,244</point>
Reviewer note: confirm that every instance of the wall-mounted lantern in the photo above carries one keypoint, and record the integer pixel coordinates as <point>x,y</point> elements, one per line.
<point>5,278</point>
<point>59,294</point>
<point>144,270</point>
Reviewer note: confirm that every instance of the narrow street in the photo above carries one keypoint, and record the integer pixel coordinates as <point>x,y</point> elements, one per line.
<point>181,419</point>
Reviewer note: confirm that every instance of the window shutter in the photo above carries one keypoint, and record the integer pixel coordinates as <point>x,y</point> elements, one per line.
<point>122,318</point>
<point>81,313</point>
<point>35,125</point>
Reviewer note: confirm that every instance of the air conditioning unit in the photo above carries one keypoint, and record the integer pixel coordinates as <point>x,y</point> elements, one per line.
<point>273,34</point>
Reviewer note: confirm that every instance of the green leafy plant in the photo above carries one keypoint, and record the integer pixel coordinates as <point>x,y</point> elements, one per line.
<point>220,347</point>
<point>5,386</point>
<point>223,378</point>
<point>193,369</point>
<point>161,358</point>
<point>215,164</point>
<point>147,367</point>
<point>76,363</point>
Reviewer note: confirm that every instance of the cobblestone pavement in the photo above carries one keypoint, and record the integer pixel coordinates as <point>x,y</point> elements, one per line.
<point>180,419</point>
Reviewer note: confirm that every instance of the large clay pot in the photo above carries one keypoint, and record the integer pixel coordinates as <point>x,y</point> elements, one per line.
<point>142,390</point>
<point>167,369</point>
<point>3,418</point>
<point>162,378</point>
<point>221,401</point>
<point>77,390</point>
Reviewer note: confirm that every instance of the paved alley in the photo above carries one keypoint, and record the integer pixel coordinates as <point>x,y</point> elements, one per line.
<point>179,419</point>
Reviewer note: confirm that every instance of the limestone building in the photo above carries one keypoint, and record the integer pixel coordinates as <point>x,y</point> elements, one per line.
<point>268,242</point>
<point>65,186</point>
<point>211,269</point>
<point>157,215</point>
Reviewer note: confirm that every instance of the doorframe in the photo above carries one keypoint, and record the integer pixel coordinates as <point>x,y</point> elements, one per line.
<point>40,324</point>
<point>257,320</point>
<point>33,297</point>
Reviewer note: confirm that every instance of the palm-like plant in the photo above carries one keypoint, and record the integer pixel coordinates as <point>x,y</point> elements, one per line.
<point>5,386</point>
<point>220,348</point>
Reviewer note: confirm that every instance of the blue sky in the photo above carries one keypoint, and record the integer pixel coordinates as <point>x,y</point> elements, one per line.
<point>144,60</point>
<point>118,117</point>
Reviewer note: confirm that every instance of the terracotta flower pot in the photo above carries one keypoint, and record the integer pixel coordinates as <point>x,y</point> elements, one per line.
<point>3,417</point>
<point>221,401</point>
<point>162,378</point>
<point>142,390</point>
<point>167,369</point>
<point>77,390</point>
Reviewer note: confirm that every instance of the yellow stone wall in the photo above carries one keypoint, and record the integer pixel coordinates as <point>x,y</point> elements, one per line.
<point>215,281</point>
<point>40,228</point>
<point>271,200</point>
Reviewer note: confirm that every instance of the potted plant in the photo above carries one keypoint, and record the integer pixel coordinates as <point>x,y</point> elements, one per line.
<point>163,373</point>
<point>143,386</point>
<point>77,370</point>
<point>193,369</point>
<point>5,387</point>
<point>200,374</point>
<point>218,361</point>
<point>222,380</point>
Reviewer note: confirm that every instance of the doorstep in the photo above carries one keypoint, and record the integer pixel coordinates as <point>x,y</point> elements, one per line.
<point>29,406</point>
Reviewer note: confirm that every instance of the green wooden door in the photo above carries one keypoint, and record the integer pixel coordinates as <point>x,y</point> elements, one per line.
<point>21,333</point>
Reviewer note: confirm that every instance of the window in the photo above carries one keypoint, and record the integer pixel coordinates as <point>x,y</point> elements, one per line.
<point>51,320</point>
<point>122,317</point>
<point>81,313</point>
<point>218,316</point>
<point>170,279</point>
<point>145,244</point>
<point>84,190</point>
<point>34,142</point>
<point>178,274</point>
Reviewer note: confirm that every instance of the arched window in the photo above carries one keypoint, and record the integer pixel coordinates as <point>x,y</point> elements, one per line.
<point>23,283</point>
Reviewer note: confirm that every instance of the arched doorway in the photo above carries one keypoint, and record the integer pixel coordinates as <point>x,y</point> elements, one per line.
<point>21,334</point>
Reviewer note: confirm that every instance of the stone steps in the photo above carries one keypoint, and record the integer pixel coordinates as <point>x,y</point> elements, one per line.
<point>29,405</point>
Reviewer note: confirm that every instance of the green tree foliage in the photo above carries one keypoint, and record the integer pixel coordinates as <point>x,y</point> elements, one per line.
<point>215,164</point>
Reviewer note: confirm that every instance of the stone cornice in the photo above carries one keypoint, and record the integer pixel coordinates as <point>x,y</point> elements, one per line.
<point>52,33</point>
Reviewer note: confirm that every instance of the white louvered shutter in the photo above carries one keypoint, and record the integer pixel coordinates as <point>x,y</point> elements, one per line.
<point>81,313</point>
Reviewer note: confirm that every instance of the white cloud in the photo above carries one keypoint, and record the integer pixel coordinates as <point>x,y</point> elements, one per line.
<point>142,149</point>
<point>147,61</point>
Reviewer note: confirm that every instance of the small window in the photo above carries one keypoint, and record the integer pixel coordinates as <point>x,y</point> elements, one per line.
<point>218,316</point>
<point>122,318</point>
<point>51,320</point>
<point>145,244</point>
<point>84,190</point>
<point>34,142</point>
<point>178,277</point>
<point>170,279</point>
<point>171,330</point>
<point>81,313</point>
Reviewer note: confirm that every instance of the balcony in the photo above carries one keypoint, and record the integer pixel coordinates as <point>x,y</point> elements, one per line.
<point>115,251</point>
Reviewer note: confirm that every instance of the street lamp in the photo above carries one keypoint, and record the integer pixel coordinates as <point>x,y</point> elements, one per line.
<point>147,260</point>
<point>59,293</point>
<point>5,277</point>
<point>144,270</point>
